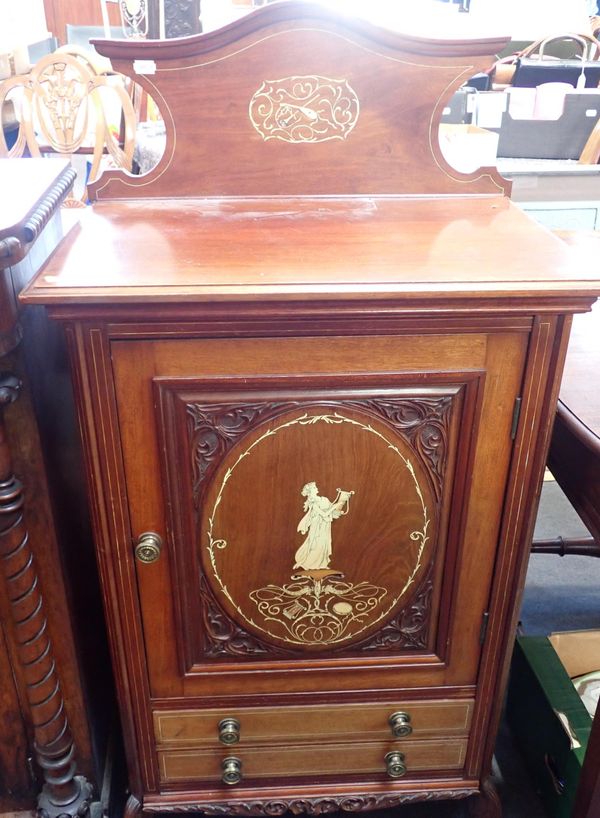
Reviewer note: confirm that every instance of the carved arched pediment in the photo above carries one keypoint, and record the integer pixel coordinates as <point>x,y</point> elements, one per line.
<point>296,99</point>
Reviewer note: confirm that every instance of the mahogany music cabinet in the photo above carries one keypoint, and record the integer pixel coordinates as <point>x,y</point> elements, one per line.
<point>316,371</point>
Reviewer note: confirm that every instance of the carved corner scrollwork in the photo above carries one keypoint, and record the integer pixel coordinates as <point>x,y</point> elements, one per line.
<point>222,637</point>
<point>409,629</point>
<point>214,428</point>
<point>316,806</point>
<point>425,422</point>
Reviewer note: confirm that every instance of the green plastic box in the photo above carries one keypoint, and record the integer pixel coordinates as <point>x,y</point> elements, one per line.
<point>547,718</point>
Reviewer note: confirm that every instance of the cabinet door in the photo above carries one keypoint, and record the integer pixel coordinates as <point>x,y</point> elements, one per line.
<point>330,506</point>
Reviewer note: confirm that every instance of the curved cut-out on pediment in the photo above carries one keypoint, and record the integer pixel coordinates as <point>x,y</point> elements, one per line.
<point>204,86</point>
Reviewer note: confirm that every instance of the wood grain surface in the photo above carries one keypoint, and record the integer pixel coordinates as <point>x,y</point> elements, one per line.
<point>332,722</point>
<point>290,762</point>
<point>212,250</point>
<point>83,13</point>
<point>297,99</point>
<point>135,365</point>
<point>196,324</point>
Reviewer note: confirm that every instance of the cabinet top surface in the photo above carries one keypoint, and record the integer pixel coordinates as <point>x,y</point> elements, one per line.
<point>309,247</point>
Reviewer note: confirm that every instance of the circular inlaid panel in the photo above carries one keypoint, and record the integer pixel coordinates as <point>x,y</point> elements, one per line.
<point>317,527</point>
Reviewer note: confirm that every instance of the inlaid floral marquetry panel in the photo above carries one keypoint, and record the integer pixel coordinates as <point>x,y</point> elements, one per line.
<point>304,109</point>
<point>312,524</point>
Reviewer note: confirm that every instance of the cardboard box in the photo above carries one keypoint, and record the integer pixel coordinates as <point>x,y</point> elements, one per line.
<point>548,720</point>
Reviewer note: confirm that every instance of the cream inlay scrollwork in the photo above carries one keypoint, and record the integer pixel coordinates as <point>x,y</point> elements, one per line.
<point>318,607</point>
<point>304,109</point>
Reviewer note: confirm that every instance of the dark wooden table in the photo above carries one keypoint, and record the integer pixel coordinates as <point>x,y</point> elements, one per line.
<point>574,460</point>
<point>44,690</point>
<point>574,457</point>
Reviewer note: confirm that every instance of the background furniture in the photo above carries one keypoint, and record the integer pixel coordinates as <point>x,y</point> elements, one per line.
<point>48,679</point>
<point>42,48</point>
<point>181,17</point>
<point>82,13</point>
<point>65,107</point>
<point>574,459</point>
<point>308,312</point>
<point>562,195</point>
<point>588,793</point>
<point>574,456</point>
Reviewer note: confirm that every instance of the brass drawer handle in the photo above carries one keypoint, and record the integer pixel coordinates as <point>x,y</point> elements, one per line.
<point>400,724</point>
<point>148,547</point>
<point>394,764</point>
<point>229,731</point>
<point>232,770</point>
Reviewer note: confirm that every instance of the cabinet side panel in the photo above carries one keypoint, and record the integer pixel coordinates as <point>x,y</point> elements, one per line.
<point>546,355</point>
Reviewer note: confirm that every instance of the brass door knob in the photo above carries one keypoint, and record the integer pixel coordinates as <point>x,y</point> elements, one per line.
<point>229,731</point>
<point>232,770</point>
<point>400,724</point>
<point>394,764</point>
<point>148,547</point>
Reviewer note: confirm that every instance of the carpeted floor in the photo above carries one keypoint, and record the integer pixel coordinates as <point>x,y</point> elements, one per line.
<point>562,593</point>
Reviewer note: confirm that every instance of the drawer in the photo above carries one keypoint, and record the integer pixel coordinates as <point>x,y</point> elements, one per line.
<point>311,760</point>
<point>332,722</point>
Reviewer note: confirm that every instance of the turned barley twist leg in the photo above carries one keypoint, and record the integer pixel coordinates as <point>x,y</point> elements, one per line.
<point>64,793</point>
